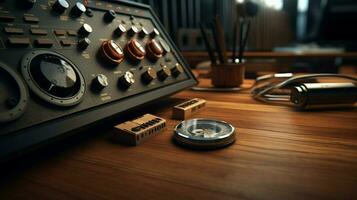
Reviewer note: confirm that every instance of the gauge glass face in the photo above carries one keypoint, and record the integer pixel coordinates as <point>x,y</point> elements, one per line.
<point>204,129</point>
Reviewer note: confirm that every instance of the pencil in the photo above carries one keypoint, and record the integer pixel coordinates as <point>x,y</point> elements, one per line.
<point>221,38</point>
<point>208,45</point>
<point>216,42</point>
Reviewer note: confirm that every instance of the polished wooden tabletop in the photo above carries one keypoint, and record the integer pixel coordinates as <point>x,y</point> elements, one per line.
<point>280,153</point>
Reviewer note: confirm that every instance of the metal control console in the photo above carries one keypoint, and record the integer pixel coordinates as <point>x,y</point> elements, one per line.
<point>67,64</point>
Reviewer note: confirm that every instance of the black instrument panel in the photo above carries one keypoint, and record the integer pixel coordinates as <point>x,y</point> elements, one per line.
<point>67,64</point>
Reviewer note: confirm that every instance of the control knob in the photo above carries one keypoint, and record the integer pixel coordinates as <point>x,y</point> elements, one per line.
<point>109,16</point>
<point>85,30</point>
<point>164,46</point>
<point>120,30</point>
<point>126,80</point>
<point>55,75</point>
<point>84,43</point>
<point>143,32</point>
<point>135,50</point>
<point>60,6</point>
<point>78,9</point>
<point>164,73</point>
<point>132,31</point>
<point>111,52</point>
<point>154,33</point>
<point>149,75</point>
<point>154,50</point>
<point>100,82</point>
<point>177,70</point>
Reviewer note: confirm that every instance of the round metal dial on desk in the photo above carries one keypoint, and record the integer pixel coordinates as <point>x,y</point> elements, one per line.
<point>204,134</point>
<point>60,6</point>
<point>135,50</point>
<point>126,80</point>
<point>154,50</point>
<point>111,52</point>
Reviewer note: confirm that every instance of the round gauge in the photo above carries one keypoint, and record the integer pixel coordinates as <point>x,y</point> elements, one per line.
<point>13,95</point>
<point>53,78</point>
<point>204,133</point>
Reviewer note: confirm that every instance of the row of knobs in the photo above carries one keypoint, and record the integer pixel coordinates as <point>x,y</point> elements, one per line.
<point>113,54</point>
<point>128,79</point>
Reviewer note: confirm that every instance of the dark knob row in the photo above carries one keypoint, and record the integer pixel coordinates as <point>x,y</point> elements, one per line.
<point>128,78</point>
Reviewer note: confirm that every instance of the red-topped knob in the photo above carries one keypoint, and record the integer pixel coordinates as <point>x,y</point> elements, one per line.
<point>135,50</point>
<point>154,50</point>
<point>111,52</point>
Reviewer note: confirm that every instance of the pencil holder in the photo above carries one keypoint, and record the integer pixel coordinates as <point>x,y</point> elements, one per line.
<point>227,75</point>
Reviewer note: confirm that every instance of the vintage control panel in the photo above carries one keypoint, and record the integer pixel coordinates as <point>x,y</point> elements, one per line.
<point>66,64</point>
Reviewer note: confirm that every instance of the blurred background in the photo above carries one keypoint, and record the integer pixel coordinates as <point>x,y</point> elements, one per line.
<point>286,35</point>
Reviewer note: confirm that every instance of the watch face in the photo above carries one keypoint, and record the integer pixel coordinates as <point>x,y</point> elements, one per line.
<point>203,133</point>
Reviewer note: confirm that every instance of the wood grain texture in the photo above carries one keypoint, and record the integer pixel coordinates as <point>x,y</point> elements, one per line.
<point>279,154</point>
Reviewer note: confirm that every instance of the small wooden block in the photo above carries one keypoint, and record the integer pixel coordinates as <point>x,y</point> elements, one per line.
<point>140,129</point>
<point>186,109</point>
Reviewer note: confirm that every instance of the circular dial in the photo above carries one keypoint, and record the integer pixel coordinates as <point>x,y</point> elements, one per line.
<point>78,9</point>
<point>85,30</point>
<point>100,82</point>
<point>204,133</point>
<point>154,50</point>
<point>60,6</point>
<point>13,95</point>
<point>53,77</point>
<point>135,50</point>
<point>164,73</point>
<point>111,52</point>
<point>149,75</point>
<point>177,70</point>
<point>126,80</point>
<point>109,16</point>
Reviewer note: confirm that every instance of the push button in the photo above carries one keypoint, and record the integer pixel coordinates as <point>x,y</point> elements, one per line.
<point>72,33</point>
<point>36,31</point>
<point>18,42</point>
<point>16,31</point>
<point>31,19</point>
<point>66,43</point>
<point>44,42</point>
<point>59,32</point>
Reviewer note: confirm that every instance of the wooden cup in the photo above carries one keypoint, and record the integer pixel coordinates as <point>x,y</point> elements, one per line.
<point>227,75</point>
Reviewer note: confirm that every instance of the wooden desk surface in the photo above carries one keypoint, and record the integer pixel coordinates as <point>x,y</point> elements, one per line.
<point>279,154</point>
